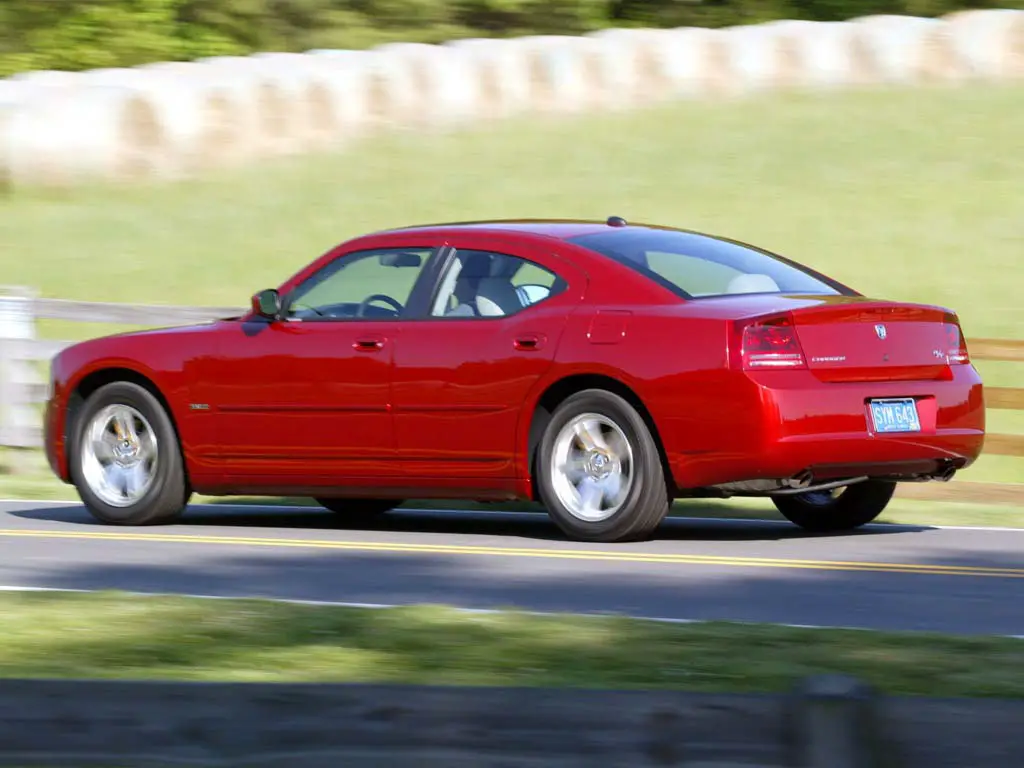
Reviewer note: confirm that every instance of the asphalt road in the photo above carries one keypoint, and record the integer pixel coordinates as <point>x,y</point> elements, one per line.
<point>886,577</point>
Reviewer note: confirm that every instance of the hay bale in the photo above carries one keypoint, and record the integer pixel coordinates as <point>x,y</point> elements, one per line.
<point>15,93</point>
<point>634,66</point>
<point>224,110</point>
<point>12,96</point>
<point>761,58</point>
<point>11,88</point>
<point>269,98</point>
<point>564,73</point>
<point>64,137</point>
<point>350,79</point>
<point>642,66</point>
<point>989,43</point>
<point>47,78</point>
<point>501,75</point>
<point>394,92</point>
<point>662,64</point>
<point>315,121</point>
<point>443,81</point>
<point>182,106</point>
<point>825,54</point>
<point>909,50</point>
<point>385,88</point>
<point>698,62</point>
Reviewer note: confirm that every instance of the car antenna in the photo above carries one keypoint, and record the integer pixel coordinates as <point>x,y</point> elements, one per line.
<point>616,221</point>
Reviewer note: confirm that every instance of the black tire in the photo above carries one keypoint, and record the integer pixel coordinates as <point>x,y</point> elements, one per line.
<point>646,503</point>
<point>855,506</point>
<point>359,507</point>
<point>169,492</point>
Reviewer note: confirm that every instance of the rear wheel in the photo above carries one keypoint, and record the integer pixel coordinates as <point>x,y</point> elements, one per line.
<point>599,472</point>
<point>125,459</point>
<point>359,507</point>
<point>841,509</point>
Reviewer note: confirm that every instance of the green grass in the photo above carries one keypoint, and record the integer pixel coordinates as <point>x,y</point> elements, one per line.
<point>905,194</point>
<point>107,635</point>
<point>909,194</point>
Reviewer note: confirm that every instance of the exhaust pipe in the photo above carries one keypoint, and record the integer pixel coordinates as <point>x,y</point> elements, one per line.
<point>819,486</point>
<point>800,479</point>
<point>945,474</point>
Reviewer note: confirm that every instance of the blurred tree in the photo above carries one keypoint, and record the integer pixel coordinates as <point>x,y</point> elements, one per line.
<point>86,34</point>
<point>81,34</point>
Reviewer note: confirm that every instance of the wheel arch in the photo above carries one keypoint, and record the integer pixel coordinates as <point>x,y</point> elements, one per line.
<point>96,379</point>
<point>563,388</point>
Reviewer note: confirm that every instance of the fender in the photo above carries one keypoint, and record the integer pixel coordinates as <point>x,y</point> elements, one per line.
<point>161,357</point>
<point>556,373</point>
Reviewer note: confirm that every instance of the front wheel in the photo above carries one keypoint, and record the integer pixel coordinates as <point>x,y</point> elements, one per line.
<point>125,459</point>
<point>841,509</point>
<point>599,472</point>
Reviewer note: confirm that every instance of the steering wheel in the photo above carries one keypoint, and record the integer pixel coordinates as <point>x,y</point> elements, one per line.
<point>378,297</point>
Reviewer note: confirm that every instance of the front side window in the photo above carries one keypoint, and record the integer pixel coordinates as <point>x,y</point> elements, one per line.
<point>699,266</point>
<point>486,284</point>
<point>370,284</point>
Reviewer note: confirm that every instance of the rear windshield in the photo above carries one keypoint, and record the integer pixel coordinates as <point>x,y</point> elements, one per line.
<point>698,266</point>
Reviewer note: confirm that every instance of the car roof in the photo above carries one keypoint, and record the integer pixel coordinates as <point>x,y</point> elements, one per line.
<point>559,229</point>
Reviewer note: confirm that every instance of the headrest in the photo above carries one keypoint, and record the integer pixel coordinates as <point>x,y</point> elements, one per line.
<point>481,265</point>
<point>475,266</point>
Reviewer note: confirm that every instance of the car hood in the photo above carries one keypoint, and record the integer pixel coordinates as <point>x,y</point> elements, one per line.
<point>153,334</point>
<point>145,348</point>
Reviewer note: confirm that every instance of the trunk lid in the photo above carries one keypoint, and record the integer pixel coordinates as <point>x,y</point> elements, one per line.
<point>877,340</point>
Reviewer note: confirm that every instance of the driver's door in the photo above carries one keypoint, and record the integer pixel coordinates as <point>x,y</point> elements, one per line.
<point>304,400</point>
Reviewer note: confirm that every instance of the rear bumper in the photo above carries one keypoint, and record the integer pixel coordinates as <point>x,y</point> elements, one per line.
<point>794,423</point>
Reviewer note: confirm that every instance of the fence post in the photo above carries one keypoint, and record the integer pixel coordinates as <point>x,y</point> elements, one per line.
<point>17,323</point>
<point>835,723</point>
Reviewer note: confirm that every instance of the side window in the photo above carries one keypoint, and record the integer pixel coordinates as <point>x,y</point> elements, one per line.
<point>533,283</point>
<point>486,284</point>
<point>369,284</point>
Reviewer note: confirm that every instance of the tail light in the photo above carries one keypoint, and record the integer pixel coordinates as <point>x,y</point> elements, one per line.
<point>956,344</point>
<point>771,344</point>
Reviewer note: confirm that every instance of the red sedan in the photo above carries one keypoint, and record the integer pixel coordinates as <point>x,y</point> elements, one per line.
<point>600,368</point>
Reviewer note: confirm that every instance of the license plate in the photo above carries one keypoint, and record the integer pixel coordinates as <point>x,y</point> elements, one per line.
<point>895,415</point>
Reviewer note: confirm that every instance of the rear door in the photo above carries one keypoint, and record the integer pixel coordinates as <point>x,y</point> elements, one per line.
<point>464,368</point>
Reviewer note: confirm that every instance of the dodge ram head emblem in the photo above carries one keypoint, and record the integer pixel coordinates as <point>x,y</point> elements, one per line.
<point>880,331</point>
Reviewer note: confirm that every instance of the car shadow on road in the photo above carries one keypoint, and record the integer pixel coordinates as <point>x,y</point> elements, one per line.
<point>522,525</point>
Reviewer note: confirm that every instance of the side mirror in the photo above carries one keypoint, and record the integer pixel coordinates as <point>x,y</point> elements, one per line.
<point>267,303</point>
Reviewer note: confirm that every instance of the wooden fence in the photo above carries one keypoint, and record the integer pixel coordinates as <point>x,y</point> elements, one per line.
<point>23,385</point>
<point>23,357</point>
<point>826,721</point>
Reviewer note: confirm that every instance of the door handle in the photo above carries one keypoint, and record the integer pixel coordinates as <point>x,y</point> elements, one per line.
<point>368,345</point>
<point>529,343</point>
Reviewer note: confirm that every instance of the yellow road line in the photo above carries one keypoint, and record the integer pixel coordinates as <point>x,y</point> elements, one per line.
<point>561,554</point>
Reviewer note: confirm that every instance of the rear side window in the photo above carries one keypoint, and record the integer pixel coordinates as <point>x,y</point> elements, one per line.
<point>699,266</point>
<point>488,284</point>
